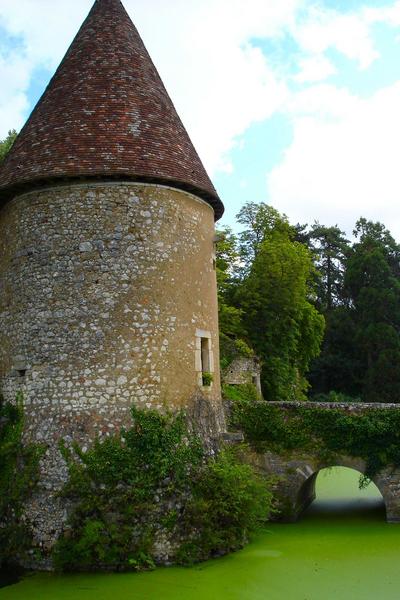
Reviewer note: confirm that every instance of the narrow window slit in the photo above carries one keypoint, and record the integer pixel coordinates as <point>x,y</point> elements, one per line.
<point>205,362</point>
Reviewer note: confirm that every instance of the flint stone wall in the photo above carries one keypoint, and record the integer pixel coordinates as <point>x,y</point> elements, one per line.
<point>104,288</point>
<point>244,370</point>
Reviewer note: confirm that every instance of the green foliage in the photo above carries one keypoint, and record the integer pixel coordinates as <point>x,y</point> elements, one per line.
<point>228,503</point>
<point>265,281</point>
<point>243,349</point>
<point>230,316</point>
<point>330,248</point>
<point>231,349</point>
<point>372,282</point>
<point>246,392</point>
<point>208,378</point>
<point>19,471</point>
<point>374,435</point>
<point>227,267</point>
<point>260,220</point>
<point>273,279</point>
<point>359,293</point>
<point>283,327</point>
<point>339,366</point>
<point>117,486</point>
<point>5,145</point>
<point>130,485</point>
<point>335,397</point>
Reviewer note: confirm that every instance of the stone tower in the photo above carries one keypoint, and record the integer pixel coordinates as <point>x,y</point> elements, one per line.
<point>107,269</point>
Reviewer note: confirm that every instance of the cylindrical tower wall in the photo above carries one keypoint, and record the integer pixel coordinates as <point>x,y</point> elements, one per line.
<point>107,298</point>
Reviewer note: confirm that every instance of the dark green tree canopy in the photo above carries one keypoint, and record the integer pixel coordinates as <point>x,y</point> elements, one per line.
<point>265,290</point>
<point>331,249</point>
<point>275,277</point>
<point>361,352</point>
<point>283,326</point>
<point>259,220</point>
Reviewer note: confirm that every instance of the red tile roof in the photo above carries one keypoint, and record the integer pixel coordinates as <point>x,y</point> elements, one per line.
<point>106,114</point>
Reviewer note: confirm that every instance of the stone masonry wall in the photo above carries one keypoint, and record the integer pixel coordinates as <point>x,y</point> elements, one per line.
<point>243,370</point>
<point>105,290</point>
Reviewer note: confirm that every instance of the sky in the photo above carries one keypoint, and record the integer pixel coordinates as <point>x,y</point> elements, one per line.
<point>295,103</point>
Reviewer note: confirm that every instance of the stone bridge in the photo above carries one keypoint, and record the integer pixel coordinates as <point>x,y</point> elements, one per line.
<point>295,473</point>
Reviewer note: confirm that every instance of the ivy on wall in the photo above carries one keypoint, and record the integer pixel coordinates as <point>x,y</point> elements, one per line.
<point>19,473</point>
<point>151,482</point>
<point>373,435</point>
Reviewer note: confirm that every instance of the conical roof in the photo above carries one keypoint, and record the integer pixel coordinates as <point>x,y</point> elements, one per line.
<point>106,114</point>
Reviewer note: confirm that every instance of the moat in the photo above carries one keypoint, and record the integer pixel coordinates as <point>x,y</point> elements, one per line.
<point>341,549</point>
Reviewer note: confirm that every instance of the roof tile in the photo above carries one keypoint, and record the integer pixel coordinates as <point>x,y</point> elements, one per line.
<point>106,113</point>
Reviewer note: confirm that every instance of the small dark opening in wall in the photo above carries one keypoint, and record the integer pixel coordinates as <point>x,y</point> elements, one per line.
<point>254,379</point>
<point>21,372</point>
<point>205,355</point>
<point>205,361</point>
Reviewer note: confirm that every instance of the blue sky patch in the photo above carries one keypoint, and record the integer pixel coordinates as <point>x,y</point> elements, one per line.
<point>256,153</point>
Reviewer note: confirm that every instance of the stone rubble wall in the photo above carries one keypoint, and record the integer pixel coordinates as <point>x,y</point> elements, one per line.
<point>102,289</point>
<point>241,371</point>
<point>244,370</point>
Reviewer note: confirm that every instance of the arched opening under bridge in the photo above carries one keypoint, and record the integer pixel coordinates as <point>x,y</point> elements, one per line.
<point>335,493</point>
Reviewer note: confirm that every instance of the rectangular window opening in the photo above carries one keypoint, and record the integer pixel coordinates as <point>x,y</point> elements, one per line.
<point>205,361</point>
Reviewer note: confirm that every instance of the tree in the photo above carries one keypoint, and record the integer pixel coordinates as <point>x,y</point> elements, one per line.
<point>302,234</point>
<point>369,232</point>
<point>373,287</point>
<point>283,327</point>
<point>339,366</point>
<point>331,248</point>
<point>227,265</point>
<point>259,220</point>
<point>5,145</point>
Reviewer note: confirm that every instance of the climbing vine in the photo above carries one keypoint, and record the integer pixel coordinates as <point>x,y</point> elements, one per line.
<point>373,435</point>
<point>19,472</point>
<point>155,482</point>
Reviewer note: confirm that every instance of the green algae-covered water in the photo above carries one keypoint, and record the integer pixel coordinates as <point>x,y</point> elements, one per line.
<point>341,549</point>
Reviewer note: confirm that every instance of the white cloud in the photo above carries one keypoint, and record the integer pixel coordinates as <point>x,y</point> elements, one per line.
<point>44,35</point>
<point>349,34</point>
<point>221,83</point>
<point>13,100</point>
<point>389,15</point>
<point>46,29</point>
<point>323,102</point>
<point>342,163</point>
<point>314,68</point>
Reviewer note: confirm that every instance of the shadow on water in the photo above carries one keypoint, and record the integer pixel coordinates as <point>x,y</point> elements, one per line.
<point>346,510</point>
<point>10,576</point>
<point>339,499</point>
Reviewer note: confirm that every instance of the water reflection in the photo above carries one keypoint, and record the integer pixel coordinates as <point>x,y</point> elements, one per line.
<point>339,499</point>
<point>9,576</point>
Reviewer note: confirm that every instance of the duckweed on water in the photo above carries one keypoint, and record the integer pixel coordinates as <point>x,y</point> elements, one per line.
<point>328,555</point>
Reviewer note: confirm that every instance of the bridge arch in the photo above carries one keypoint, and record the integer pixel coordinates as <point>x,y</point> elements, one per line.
<point>293,470</point>
<point>307,488</point>
<point>295,477</point>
